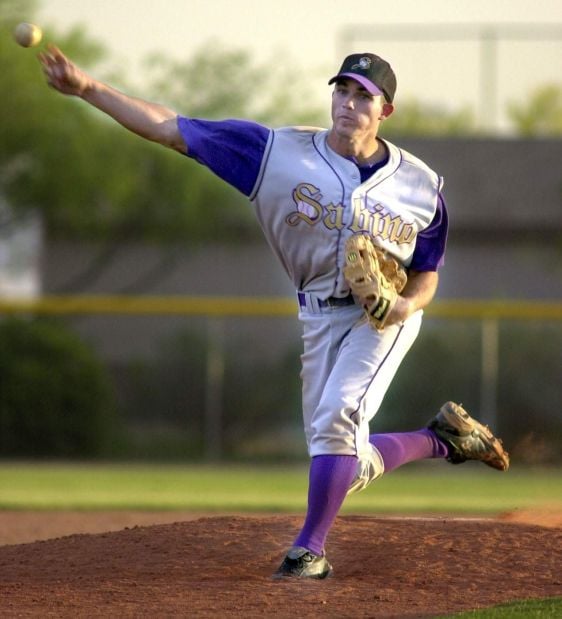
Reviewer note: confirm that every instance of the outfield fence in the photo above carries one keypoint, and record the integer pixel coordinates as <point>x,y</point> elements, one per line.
<point>486,316</point>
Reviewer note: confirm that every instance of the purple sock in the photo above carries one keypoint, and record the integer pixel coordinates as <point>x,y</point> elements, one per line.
<point>398,448</point>
<point>328,483</point>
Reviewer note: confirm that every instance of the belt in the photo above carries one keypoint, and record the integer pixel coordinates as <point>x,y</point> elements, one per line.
<point>307,300</point>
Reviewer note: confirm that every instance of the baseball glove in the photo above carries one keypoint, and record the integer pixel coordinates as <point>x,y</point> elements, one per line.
<point>375,278</point>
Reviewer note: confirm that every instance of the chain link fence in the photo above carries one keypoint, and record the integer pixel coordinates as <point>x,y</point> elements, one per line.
<point>217,378</point>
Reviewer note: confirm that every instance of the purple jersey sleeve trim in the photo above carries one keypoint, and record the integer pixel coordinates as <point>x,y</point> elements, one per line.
<point>232,149</point>
<point>265,159</point>
<point>429,253</point>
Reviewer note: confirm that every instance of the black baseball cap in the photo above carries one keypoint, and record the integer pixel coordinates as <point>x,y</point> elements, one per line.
<point>372,72</point>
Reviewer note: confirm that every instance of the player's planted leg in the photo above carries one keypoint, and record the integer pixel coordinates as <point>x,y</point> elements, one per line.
<point>301,563</point>
<point>329,480</point>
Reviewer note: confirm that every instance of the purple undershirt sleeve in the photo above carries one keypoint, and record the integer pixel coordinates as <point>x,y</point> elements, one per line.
<point>429,253</point>
<point>232,149</point>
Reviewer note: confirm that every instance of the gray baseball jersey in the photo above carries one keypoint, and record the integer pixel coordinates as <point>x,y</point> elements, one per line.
<point>309,200</point>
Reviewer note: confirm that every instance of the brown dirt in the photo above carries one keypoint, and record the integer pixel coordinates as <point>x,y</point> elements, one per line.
<point>221,566</point>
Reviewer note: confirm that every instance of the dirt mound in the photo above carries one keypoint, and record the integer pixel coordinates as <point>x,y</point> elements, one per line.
<point>546,517</point>
<point>221,566</point>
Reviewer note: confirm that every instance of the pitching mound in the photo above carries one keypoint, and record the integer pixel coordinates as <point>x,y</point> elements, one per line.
<point>221,567</point>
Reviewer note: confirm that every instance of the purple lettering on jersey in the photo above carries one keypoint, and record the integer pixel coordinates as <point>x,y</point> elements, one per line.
<point>232,149</point>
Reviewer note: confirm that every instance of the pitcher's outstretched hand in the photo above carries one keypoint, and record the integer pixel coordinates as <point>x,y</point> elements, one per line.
<point>62,74</point>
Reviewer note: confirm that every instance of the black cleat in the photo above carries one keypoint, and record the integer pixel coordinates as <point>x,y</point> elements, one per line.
<point>301,563</point>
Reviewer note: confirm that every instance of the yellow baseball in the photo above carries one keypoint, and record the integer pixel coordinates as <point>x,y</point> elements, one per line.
<point>27,35</point>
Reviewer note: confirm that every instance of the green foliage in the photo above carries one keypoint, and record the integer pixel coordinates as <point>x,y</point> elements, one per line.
<point>228,84</point>
<point>45,162</point>
<point>14,11</point>
<point>413,118</point>
<point>55,399</point>
<point>540,114</point>
<point>89,177</point>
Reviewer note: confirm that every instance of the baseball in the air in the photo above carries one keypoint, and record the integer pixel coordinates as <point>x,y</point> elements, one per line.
<point>27,35</point>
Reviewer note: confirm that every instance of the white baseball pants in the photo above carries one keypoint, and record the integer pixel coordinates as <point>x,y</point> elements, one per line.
<point>347,367</point>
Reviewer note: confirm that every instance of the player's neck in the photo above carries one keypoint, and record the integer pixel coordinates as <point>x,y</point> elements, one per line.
<point>364,152</point>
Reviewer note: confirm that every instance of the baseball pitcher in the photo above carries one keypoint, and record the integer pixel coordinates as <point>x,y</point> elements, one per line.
<point>360,227</point>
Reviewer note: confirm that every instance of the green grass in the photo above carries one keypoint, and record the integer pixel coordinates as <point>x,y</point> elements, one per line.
<point>546,608</point>
<point>428,489</point>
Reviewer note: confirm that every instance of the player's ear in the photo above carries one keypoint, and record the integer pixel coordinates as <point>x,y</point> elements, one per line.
<point>387,110</point>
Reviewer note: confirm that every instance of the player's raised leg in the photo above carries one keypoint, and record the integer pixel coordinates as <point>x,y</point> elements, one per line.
<point>399,448</point>
<point>467,438</point>
<point>452,434</point>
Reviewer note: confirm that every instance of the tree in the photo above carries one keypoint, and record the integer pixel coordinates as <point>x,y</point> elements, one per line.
<point>413,119</point>
<point>38,131</point>
<point>218,83</point>
<point>11,11</point>
<point>90,178</point>
<point>540,114</point>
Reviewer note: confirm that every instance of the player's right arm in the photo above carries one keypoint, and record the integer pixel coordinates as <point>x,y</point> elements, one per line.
<point>149,120</point>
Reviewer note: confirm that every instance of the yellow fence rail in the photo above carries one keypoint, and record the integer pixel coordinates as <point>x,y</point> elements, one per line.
<point>262,306</point>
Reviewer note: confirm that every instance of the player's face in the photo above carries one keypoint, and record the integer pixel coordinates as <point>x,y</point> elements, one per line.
<point>355,111</point>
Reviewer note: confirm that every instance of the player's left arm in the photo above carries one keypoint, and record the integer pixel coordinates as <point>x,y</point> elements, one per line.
<point>417,294</point>
<point>423,277</point>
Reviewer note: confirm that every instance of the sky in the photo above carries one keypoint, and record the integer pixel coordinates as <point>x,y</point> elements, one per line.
<point>454,71</point>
